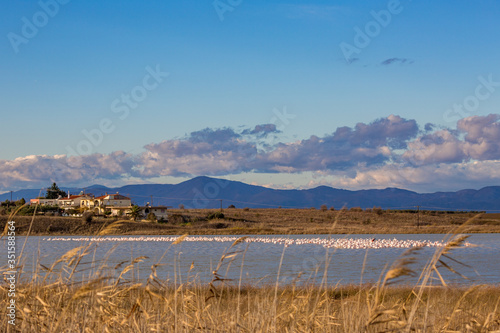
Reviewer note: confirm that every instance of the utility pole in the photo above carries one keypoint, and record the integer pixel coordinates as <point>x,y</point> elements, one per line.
<point>220,205</point>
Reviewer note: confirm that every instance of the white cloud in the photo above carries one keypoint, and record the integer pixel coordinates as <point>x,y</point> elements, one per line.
<point>476,138</point>
<point>386,152</point>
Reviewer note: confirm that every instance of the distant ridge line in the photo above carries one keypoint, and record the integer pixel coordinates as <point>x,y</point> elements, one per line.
<point>206,192</point>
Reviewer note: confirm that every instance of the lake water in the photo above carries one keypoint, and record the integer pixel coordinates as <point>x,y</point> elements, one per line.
<point>259,262</point>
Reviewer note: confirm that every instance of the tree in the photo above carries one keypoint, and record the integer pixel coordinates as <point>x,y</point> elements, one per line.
<point>135,211</point>
<point>54,192</point>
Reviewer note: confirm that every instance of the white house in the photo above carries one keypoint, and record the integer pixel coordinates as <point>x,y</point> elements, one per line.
<point>44,202</point>
<point>117,204</point>
<point>72,201</point>
<point>159,211</point>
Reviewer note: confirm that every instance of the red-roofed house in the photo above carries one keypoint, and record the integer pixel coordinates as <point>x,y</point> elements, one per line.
<point>117,204</point>
<point>72,201</point>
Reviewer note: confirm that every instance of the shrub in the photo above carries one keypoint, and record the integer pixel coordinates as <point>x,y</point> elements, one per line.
<point>246,209</point>
<point>176,219</point>
<point>377,210</point>
<point>151,217</point>
<point>324,208</point>
<point>27,210</point>
<point>3,211</point>
<point>47,208</point>
<point>332,208</point>
<point>356,209</point>
<point>217,225</point>
<point>181,206</point>
<point>231,206</point>
<point>216,215</point>
<point>87,217</point>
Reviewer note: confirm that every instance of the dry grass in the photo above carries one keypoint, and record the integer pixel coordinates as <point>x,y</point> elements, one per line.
<point>111,300</point>
<point>99,307</point>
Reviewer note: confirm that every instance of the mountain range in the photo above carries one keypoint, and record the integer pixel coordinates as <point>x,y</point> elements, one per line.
<point>206,192</point>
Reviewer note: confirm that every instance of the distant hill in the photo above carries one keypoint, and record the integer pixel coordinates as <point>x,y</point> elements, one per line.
<point>206,192</point>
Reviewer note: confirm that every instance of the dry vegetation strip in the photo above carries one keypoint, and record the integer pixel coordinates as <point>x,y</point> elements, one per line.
<point>99,307</point>
<point>268,221</point>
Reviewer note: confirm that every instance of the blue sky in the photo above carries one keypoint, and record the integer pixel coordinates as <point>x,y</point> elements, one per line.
<point>235,65</point>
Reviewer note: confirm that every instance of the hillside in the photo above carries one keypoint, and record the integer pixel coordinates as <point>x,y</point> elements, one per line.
<point>206,192</point>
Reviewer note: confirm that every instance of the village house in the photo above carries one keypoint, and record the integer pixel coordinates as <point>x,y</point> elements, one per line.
<point>44,202</point>
<point>115,204</point>
<point>112,204</point>
<point>159,211</point>
<point>68,202</point>
<point>72,201</point>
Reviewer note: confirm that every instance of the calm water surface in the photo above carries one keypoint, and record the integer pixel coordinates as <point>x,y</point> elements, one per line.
<point>258,262</point>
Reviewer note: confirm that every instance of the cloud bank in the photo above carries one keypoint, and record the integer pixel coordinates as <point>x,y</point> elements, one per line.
<point>390,151</point>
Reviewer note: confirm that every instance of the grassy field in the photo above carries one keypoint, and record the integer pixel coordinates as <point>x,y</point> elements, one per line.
<point>99,307</point>
<point>54,301</point>
<point>268,221</point>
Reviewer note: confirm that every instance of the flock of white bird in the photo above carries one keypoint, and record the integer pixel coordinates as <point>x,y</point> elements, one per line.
<point>337,243</point>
